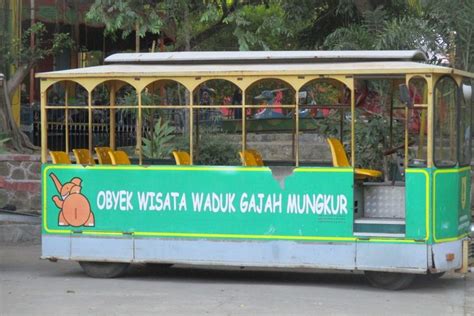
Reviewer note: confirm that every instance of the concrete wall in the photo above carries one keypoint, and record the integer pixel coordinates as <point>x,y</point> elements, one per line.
<point>20,182</point>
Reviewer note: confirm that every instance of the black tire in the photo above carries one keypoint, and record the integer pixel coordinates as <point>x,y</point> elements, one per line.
<point>159,265</point>
<point>104,270</point>
<point>432,276</point>
<point>389,280</point>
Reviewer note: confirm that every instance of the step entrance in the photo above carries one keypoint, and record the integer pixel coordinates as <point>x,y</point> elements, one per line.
<point>379,209</point>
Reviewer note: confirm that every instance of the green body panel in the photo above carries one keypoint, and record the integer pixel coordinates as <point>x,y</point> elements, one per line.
<point>262,207</point>
<point>451,203</point>
<point>313,203</point>
<point>417,203</point>
<point>269,125</point>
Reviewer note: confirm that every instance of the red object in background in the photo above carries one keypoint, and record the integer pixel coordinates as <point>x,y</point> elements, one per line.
<point>226,112</point>
<point>325,112</point>
<point>277,101</point>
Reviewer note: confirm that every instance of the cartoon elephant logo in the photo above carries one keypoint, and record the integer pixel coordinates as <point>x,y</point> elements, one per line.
<point>74,208</point>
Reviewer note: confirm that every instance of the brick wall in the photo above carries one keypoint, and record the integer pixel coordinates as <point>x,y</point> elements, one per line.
<point>20,182</point>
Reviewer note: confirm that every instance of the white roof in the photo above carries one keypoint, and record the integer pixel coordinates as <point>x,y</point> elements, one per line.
<point>124,70</point>
<point>239,57</point>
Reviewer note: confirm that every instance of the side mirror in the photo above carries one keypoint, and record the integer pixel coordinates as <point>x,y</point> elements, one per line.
<point>405,96</point>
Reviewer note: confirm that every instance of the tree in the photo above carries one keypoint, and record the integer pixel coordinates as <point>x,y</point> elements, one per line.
<point>439,27</point>
<point>454,18</point>
<point>228,24</point>
<point>377,30</point>
<point>26,58</point>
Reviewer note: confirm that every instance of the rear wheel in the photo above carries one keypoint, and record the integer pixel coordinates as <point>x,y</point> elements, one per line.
<point>159,265</point>
<point>104,270</point>
<point>389,280</point>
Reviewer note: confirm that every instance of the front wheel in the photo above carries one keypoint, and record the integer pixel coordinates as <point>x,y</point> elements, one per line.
<point>389,280</point>
<point>103,270</point>
<point>433,276</point>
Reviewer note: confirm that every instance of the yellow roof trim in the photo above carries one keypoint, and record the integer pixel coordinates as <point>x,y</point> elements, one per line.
<point>182,71</point>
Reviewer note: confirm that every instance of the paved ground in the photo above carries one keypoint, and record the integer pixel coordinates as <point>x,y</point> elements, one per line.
<point>30,286</point>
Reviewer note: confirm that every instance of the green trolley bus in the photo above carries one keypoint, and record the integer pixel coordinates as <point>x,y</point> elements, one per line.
<point>349,160</point>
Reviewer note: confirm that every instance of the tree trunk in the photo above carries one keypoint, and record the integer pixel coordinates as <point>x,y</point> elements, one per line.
<point>187,47</point>
<point>8,126</point>
<point>17,78</point>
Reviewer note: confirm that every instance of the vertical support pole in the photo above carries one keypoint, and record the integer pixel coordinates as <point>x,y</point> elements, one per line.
<point>44,125</point>
<point>391,116</point>
<point>296,145</point>
<point>66,114</point>
<point>353,156</point>
<point>423,124</point>
<point>244,122</point>
<point>341,125</point>
<point>407,118</point>
<point>112,117</point>
<point>139,129</point>
<point>196,124</point>
<point>89,105</point>
<point>191,129</point>
<point>32,46</point>
<point>430,122</point>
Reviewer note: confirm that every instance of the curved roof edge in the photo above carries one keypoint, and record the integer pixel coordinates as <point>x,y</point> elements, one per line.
<point>259,57</point>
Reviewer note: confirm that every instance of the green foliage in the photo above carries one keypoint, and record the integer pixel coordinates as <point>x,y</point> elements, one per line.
<point>378,31</point>
<point>440,27</point>
<point>354,37</point>
<point>372,138</point>
<point>158,146</point>
<point>125,15</point>
<point>455,20</point>
<point>260,27</point>
<point>205,25</point>
<point>216,150</point>
<point>19,52</point>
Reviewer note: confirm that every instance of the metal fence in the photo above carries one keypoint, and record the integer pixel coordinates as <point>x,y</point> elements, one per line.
<point>125,132</point>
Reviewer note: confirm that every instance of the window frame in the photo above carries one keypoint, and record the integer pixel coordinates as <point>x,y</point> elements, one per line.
<point>435,113</point>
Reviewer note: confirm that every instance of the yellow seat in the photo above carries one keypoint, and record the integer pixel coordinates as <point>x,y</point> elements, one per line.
<point>119,157</point>
<point>181,157</point>
<point>339,159</point>
<point>247,158</point>
<point>103,155</point>
<point>83,156</point>
<point>257,156</point>
<point>60,157</point>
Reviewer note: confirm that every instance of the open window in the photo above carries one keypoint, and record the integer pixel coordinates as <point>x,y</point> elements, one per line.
<point>67,116</point>
<point>270,127</point>
<point>217,114</point>
<point>165,121</point>
<point>417,125</point>
<point>325,107</point>
<point>115,117</point>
